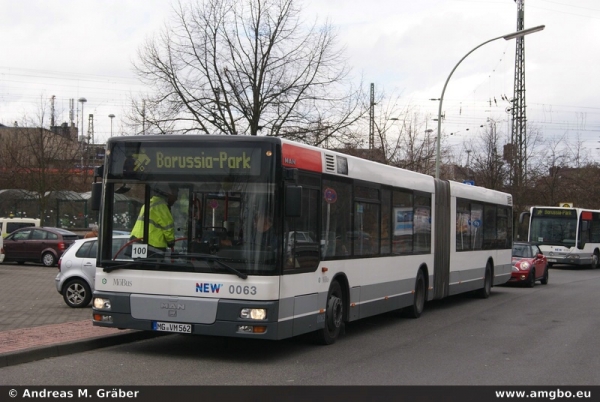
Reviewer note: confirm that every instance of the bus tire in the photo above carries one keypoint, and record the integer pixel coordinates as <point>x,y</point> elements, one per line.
<point>334,315</point>
<point>486,290</point>
<point>595,259</point>
<point>418,305</point>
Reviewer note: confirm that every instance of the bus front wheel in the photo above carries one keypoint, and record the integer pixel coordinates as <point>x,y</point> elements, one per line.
<point>334,315</point>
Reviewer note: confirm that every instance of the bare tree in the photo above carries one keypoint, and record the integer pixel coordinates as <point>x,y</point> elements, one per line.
<point>415,145</point>
<point>40,159</point>
<point>547,172</point>
<point>566,173</point>
<point>488,167</point>
<point>244,67</point>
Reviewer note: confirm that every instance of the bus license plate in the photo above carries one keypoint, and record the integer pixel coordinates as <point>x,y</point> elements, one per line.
<point>172,327</point>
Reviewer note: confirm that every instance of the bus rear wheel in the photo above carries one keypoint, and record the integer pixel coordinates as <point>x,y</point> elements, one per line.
<point>334,316</point>
<point>418,305</point>
<point>595,260</point>
<point>486,290</point>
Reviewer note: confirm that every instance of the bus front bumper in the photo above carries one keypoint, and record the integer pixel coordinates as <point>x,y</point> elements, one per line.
<point>569,259</point>
<point>226,322</point>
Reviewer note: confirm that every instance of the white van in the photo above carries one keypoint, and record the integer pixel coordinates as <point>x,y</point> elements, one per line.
<point>9,225</point>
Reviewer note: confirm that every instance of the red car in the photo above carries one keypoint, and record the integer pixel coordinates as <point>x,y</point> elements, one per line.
<point>528,264</point>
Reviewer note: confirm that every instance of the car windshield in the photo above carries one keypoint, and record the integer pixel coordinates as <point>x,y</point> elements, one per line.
<point>522,250</point>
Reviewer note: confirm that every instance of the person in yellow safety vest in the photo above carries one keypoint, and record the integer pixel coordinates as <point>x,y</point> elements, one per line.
<point>161,230</point>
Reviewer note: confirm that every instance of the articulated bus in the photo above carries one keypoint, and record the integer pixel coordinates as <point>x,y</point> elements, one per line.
<point>354,238</point>
<point>565,235</point>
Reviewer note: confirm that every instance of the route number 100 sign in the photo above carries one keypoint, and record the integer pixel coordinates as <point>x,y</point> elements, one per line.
<point>139,251</point>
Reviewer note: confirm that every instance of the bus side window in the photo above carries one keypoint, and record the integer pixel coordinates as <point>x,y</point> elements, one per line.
<point>336,217</point>
<point>301,246</point>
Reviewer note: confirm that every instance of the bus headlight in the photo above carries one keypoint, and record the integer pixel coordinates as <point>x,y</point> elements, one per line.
<point>254,313</point>
<point>102,304</point>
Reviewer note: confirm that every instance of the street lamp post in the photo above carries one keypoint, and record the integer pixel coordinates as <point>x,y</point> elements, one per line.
<point>112,116</point>
<point>510,36</point>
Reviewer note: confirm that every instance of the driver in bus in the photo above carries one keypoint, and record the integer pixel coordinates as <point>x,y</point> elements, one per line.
<point>264,234</point>
<point>161,230</point>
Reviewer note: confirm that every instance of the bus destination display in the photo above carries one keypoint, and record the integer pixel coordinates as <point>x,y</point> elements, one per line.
<point>190,160</point>
<point>555,213</point>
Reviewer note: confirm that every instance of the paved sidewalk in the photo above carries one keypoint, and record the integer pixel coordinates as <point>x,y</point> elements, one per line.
<point>35,323</point>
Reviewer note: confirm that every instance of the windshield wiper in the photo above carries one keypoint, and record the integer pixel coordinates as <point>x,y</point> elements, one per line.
<point>230,268</point>
<point>213,259</point>
<point>118,266</point>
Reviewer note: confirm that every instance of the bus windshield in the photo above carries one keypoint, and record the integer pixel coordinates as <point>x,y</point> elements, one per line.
<point>220,218</point>
<point>550,227</point>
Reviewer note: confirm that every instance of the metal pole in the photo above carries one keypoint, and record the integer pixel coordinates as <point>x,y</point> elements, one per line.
<point>439,133</point>
<point>510,36</point>
<point>111,119</point>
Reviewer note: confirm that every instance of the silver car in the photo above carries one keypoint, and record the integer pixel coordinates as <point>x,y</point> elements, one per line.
<point>77,269</point>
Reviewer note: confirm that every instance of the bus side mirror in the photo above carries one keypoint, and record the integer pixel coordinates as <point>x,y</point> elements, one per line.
<point>523,216</point>
<point>96,197</point>
<point>293,201</point>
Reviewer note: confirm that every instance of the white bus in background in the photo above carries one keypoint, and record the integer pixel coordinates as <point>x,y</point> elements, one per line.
<point>565,235</point>
<point>9,225</point>
<point>355,238</point>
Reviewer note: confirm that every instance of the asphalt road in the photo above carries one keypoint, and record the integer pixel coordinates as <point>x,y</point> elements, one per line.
<point>547,335</point>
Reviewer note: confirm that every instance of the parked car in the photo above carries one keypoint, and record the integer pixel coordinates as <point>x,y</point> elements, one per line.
<point>77,269</point>
<point>529,264</point>
<point>37,244</point>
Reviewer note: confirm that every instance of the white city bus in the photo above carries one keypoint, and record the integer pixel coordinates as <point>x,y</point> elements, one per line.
<point>354,238</point>
<point>565,235</point>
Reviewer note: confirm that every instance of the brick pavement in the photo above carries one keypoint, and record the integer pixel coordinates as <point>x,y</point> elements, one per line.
<point>36,323</point>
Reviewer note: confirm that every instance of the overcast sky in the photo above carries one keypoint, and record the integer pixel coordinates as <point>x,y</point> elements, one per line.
<point>84,48</point>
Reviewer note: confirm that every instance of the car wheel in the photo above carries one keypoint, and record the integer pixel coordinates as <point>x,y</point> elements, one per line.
<point>544,280</point>
<point>531,279</point>
<point>48,259</point>
<point>77,293</point>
